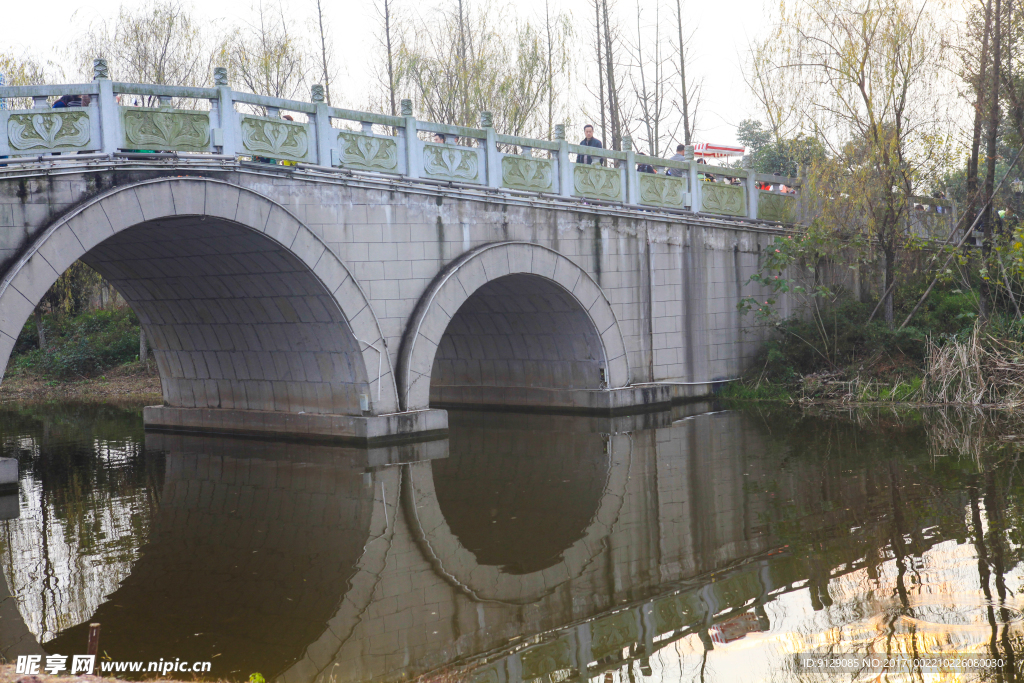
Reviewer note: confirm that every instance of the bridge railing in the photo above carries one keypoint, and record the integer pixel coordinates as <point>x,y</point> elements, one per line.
<point>118,118</point>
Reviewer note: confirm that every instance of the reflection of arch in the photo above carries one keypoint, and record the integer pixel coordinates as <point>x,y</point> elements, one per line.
<point>271,559</point>
<point>459,566</point>
<point>498,282</point>
<point>245,306</point>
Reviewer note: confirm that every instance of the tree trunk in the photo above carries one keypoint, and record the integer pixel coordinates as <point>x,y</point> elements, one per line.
<point>979,117</point>
<point>40,330</point>
<point>890,262</point>
<point>600,66</point>
<point>143,345</point>
<point>391,67</point>
<point>682,75</point>
<point>990,172</point>
<point>613,95</point>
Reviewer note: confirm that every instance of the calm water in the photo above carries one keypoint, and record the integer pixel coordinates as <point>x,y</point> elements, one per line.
<point>701,544</point>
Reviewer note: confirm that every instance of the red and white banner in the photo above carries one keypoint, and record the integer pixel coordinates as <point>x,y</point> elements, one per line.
<point>707,149</point>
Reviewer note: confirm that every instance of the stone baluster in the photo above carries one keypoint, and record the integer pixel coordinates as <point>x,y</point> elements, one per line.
<point>564,166</point>
<point>694,179</point>
<point>751,182</point>
<point>413,146</point>
<point>165,102</point>
<point>41,102</point>
<point>632,178</point>
<point>110,122</point>
<point>491,155</point>
<point>326,152</point>
<point>227,119</point>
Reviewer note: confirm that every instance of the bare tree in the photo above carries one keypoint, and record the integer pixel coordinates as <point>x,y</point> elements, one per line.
<point>389,38</point>
<point>265,56</point>
<point>610,58</point>
<point>326,51</point>
<point>458,63</point>
<point>684,87</point>
<point>649,78</point>
<point>159,42</point>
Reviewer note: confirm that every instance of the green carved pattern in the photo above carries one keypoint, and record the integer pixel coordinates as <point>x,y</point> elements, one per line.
<point>451,163</point>
<point>275,138</point>
<point>612,634</point>
<point>166,130</point>
<point>736,590</point>
<point>368,152</point>
<point>597,182</point>
<point>524,173</point>
<point>677,612</point>
<point>727,200</point>
<point>546,658</point>
<point>662,190</point>
<point>780,208</point>
<point>50,130</point>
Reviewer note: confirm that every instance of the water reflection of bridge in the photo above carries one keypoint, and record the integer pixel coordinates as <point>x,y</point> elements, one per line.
<point>603,540</point>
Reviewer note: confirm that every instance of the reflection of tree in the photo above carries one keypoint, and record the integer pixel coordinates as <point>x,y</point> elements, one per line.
<point>86,493</point>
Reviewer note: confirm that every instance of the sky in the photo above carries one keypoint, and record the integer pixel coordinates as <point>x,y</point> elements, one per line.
<point>723,30</point>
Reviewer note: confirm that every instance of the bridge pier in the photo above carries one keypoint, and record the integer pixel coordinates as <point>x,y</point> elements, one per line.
<point>368,430</point>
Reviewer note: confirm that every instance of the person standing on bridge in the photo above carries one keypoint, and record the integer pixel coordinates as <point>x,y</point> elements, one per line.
<point>589,141</point>
<point>678,156</point>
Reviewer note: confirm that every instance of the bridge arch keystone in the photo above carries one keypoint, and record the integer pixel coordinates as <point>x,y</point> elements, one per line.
<point>543,272</point>
<point>274,262</point>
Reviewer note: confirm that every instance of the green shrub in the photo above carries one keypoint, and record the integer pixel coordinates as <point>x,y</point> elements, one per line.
<point>79,346</point>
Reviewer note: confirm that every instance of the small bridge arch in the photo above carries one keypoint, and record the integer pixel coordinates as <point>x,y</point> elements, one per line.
<point>511,323</point>
<point>245,306</point>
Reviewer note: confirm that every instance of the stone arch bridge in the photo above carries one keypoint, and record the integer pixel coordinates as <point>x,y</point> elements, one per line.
<point>375,277</point>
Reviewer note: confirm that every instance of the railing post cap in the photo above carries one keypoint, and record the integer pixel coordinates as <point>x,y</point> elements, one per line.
<point>559,131</point>
<point>627,143</point>
<point>688,153</point>
<point>317,93</point>
<point>748,162</point>
<point>406,107</point>
<point>220,75</point>
<point>486,119</point>
<point>100,69</point>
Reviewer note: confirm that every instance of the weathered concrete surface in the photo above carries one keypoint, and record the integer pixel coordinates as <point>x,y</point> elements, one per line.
<point>293,291</point>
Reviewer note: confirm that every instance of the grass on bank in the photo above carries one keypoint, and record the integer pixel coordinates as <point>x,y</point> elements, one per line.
<point>945,356</point>
<point>77,347</point>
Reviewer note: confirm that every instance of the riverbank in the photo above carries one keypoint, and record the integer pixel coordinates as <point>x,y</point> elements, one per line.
<point>132,381</point>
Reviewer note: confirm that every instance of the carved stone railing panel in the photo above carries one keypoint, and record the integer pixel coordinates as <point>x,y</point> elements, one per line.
<point>546,658</point>
<point>662,190</point>
<point>524,173</point>
<point>612,634</point>
<point>275,138</point>
<point>772,206</point>
<point>368,152</point>
<point>166,130</point>
<point>597,182</point>
<point>49,130</point>
<point>726,200</point>
<point>451,163</point>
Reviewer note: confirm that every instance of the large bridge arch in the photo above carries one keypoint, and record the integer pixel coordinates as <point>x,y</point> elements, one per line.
<point>245,306</point>
<point>510,317</point>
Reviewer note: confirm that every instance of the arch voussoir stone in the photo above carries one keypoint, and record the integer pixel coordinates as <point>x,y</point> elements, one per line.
<point>539,290</point>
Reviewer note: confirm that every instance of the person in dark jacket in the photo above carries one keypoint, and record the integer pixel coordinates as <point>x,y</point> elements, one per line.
<point>589,141</point>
